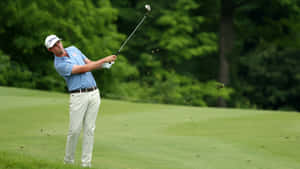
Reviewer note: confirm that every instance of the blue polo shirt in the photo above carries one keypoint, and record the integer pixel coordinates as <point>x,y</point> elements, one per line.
<point>64,65</point>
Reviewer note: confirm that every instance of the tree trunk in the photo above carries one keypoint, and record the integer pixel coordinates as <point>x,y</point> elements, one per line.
<point>226,43</point>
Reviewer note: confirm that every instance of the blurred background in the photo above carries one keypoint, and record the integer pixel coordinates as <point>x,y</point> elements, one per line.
<point>180,55</point>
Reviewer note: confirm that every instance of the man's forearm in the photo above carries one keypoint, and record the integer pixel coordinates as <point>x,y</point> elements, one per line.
<point>92,65</point>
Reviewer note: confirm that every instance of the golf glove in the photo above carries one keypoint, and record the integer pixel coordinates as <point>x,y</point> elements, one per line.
<point>107,65</point>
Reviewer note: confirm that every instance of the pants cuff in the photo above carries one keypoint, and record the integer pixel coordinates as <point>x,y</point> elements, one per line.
<point>88,165</point>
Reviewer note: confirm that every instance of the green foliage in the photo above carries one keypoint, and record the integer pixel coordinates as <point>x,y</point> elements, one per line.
<point>171,59</point>
<point>275,71</point>
<point>267,72</point>
<point>172,88</point>
<point>12,74</point>
<point>4,68</point>
<point>86,24</point>
<point>183,38</point>
<point>171,36</point>
<point>120,81</point>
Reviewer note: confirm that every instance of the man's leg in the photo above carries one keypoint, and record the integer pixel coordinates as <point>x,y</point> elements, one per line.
<point>89,128</point>
<point>78,106</point>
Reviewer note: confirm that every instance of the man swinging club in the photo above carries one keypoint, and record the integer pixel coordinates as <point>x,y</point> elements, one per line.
<point>75,68</point>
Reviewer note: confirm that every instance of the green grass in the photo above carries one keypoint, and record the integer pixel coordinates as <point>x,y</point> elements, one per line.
<point>34,124</point>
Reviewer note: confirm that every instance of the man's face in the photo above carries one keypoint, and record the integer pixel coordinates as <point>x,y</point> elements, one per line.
<point>57,49</point>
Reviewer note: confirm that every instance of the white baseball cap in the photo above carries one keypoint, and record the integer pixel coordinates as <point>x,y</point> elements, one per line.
<point>51,40</point>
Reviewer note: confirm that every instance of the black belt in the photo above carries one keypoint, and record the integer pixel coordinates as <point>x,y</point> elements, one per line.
<point>84,90</point>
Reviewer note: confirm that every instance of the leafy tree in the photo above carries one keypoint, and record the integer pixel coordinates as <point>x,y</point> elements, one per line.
<point>248,26</point>
<point>171,39</point>
<point>266,72</point>
<point>182,47</point>
<point>85,24</point>
<point>13,74</point>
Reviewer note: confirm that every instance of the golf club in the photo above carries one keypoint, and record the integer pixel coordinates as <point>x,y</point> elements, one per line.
<point>148,9</point>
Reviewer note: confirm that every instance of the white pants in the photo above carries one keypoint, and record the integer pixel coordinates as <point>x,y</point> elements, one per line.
<point>83,113</point>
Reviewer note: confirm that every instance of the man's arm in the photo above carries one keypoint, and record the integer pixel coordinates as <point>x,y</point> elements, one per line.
<point>86,61</point>
<point>91,65</point>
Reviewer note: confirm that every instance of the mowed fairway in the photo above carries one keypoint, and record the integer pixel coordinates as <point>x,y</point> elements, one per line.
<point>34,124</point>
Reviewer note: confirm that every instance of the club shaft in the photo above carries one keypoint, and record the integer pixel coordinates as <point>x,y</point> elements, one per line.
<point>124,43</point>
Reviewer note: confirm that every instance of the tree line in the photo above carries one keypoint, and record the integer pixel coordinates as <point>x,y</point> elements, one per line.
<point>182,53</point>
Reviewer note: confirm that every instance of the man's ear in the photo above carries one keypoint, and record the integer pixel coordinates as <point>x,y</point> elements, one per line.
<point>49,49</point>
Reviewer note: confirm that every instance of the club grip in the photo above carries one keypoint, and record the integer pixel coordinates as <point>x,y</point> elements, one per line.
<point>116,55</point>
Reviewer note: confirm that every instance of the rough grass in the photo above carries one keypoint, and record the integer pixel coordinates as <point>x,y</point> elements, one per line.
<point>21,161</point>
<point>33,127</point>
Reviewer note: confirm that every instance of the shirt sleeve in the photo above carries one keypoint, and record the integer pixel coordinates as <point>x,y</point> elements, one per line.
<point>64,68</point>
<point>81,54</point>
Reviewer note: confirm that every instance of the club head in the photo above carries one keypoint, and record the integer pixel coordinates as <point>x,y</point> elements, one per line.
<point>148,7</point>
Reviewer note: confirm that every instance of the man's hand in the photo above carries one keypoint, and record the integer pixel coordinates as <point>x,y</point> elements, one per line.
<point>110,58</point>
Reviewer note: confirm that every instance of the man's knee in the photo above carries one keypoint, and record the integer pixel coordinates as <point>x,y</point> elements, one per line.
<point>74,131</point>
<point>90,131</point>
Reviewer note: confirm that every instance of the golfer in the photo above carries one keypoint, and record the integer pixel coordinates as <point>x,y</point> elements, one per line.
<point>75,68</point>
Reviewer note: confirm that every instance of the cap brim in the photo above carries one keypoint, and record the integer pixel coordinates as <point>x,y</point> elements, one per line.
<point>52,43</point>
